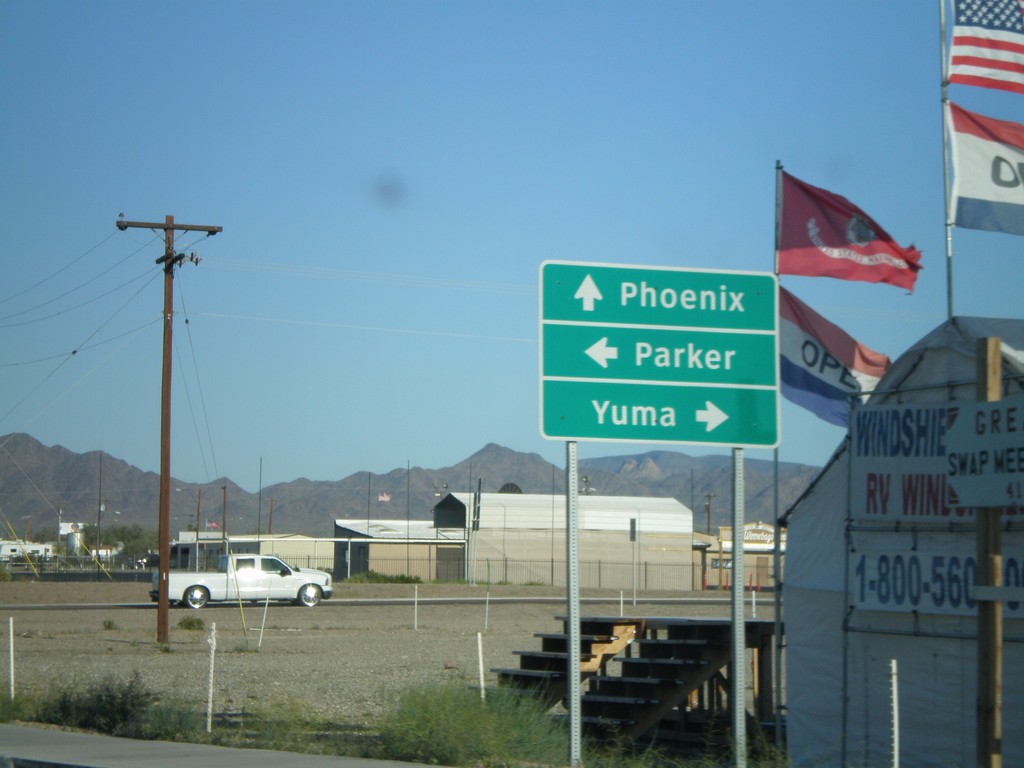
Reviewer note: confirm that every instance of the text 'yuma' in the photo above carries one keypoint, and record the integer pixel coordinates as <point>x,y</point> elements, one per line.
<point>634,415</point>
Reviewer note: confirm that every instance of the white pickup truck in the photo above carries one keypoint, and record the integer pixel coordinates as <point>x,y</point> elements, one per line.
<point>246,577</point>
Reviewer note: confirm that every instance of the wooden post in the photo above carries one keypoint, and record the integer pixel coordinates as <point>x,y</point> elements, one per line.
<point>168,261</point>
<point>990,570</point>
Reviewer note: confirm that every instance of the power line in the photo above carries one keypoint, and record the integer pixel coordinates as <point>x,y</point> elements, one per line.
<point>82,348</point>
<point>202,398</point>
<point>79,287</point>
<point>69,309</point>
<point>73,352</point>
<point>73,386</point>
<point>54,274</point>
<point>354,327</point>
<point>375,277</point>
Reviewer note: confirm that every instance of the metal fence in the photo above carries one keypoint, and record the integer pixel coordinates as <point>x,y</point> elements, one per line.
<point>593,574</point>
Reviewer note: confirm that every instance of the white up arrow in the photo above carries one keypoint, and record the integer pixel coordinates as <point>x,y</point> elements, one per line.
<point>712,415</point>
<point>601,353</point>
<point>589,293</point>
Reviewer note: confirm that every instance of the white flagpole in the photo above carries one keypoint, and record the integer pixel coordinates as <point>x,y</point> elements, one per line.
<point>943,67</point>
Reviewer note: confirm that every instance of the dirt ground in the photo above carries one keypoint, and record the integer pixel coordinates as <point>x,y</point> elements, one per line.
<point>345,660</point>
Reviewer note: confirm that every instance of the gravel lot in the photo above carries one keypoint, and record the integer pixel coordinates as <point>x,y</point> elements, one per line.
<point>344,660</point>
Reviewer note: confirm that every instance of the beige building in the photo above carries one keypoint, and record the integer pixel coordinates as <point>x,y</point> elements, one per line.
<point>520,539</point>
<point>758,556</point>
<point>624,542</point>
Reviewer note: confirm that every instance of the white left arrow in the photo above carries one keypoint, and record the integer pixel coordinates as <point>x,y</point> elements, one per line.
<point>601,353</point>
<point>589,292</point>
<point>712,415</point>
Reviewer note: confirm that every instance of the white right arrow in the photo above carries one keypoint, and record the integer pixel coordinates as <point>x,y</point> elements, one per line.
<point>601,353</point>
<point>712,415</point>
<point>589,293</point>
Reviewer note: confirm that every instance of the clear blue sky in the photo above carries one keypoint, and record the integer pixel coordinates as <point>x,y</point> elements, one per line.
<point>390,176</point>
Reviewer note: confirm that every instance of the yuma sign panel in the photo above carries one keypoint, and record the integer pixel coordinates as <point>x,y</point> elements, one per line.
<point>655,354</point>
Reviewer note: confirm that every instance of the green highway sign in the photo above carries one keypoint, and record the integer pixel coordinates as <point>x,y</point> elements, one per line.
<point>658,296</point>
<point>655,354</point>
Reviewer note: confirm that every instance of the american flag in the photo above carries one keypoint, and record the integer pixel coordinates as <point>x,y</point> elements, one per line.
<point>988,44</point>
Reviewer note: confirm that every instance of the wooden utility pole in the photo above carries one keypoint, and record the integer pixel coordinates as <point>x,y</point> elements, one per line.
<point>990,574</point>
<point>169,261</point>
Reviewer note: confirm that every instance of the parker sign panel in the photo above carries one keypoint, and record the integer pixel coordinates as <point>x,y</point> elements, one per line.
<point>655,354</point>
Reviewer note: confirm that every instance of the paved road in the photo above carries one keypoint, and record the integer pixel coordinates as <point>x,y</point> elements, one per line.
<point>697,599</point>
<point>30,746</point>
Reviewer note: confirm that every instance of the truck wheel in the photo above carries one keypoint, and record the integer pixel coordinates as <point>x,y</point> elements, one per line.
<point>310,595</point>
<point>196,596</point>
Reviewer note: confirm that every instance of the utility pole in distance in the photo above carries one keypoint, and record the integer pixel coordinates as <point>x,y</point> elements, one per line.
<point>169,261</point>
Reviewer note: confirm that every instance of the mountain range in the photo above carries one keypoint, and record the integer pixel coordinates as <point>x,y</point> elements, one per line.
<point>40,484</point>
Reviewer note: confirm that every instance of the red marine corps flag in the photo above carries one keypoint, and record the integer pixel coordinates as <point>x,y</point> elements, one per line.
<point>824,235</point>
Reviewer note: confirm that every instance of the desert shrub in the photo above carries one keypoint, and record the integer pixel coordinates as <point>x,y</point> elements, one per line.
<point>170,720</point>
<point>450,725</point>
<point>192,623</point>
<point>118,708</point>
<point>13,709</point>
<point>373,577</point>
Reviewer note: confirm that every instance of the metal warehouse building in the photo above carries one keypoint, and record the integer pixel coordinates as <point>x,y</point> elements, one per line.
<point>520,538</point>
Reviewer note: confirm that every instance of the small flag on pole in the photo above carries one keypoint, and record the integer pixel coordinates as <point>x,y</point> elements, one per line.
<point>212,524</point>
<point>824,235</point>
<point>988,44</point>
<point>820,364</point>
<point>988,172</point>
<point>383,496</point>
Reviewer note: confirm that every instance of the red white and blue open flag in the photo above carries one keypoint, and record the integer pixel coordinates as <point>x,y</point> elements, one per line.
<point>821,366</point>
<point>988,172</point>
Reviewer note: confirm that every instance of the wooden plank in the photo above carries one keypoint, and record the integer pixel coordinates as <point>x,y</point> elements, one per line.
<point>989,713</point>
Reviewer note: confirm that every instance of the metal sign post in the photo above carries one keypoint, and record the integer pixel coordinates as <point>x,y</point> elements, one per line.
<point>572,671</point>
<point>737,677</point>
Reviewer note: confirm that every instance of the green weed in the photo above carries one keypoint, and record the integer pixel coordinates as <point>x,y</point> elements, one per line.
<point>373,577</point>
<point>192,623</point>
<point>450,725</point>
<point>118,708</point>
<point>13,709</point>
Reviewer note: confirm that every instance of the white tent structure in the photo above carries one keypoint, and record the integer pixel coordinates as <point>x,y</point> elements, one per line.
<point>864,591</point>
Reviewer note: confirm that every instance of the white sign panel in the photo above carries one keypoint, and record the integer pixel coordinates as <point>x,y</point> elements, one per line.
<point>912,549</point>
<point>898,463</point>
<point>905,458</point>
<point>985,454</point>
<point>930,573</point>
